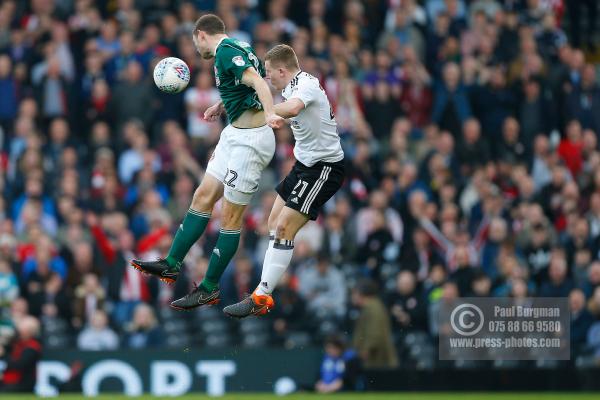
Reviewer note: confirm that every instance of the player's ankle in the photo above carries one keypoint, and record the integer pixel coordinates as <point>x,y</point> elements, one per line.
<point>173,263</point>
<point>261,292</point>
<point>209,286</point>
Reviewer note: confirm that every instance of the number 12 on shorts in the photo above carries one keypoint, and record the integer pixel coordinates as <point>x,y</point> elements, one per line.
<point>229,180</point>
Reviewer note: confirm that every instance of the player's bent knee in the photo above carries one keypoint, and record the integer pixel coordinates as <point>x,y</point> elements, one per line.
<point>280,231</point>
<point>276,211</point>
<point>289,223</point>
<point>284,230</point>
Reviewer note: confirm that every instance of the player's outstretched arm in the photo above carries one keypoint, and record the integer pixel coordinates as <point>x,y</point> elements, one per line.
<point>289,108</point>
<point>252,79</point>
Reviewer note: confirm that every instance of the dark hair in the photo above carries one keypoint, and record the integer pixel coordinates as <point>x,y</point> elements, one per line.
<point>284,55</point>
<point>367,287</point>
<point>336,341</point>
<point>480,275</point>
<point>323,257</point>
<point>210,24</point>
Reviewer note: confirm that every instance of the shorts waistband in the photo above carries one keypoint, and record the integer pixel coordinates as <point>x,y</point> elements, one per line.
<point>249,129</point>
<point>340,163</point>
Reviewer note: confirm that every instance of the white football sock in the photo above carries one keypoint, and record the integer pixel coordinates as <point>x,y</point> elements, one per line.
<point>267,254</point>
<point>275,265</point>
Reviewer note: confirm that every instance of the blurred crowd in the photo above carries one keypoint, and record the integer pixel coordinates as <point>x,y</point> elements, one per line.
<point>470,130</point>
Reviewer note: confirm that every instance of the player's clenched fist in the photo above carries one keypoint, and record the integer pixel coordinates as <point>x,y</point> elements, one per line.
<point>274,121</point>
<point>213,112</point>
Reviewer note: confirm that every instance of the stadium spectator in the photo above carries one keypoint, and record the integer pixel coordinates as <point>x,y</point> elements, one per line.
<point>473,151</point>
<point>50,83</point>
<point>9,101</point>
<point>367,222</point>
<point>372,333</point>
<point>338,244</point>
<point>510,148</point>
<point>125,288</point>
<point>542,161</point>
<point>451,106</point>
<point>581,320</point>
<point>340,368</point>
<point>378,247</point>
<point>88,298</point>
<point>197,100</point>
<point>132,160</point>
<point>593,304</point>
<point>9,285</point>
<point>98,336</point>
<point>558,284</point>
<point>593,341</point>
<point>446,292</point>
<point>481,285</point>
<point>416,96</point>
<point>494,102</point>
<point>22,357</point>
<point>322,287</point>
<point>132,97</point>
<point>381,109</point>
<point>143,331</point>
<point>535,114</point>
<point>48,298</point>
<point>407,304</point>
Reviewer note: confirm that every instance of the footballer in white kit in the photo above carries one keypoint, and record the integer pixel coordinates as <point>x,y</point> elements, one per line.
<point>319,169</point>
<point>317,175</point>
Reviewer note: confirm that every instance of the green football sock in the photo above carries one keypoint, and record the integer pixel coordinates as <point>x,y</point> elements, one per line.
<point>223,252</point>
<point>189,232</point>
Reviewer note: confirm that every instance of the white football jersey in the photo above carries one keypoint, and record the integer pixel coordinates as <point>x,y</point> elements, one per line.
<point>314,128</point>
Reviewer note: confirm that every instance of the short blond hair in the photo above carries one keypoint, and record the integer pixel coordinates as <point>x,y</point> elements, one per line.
<point>283,55</point>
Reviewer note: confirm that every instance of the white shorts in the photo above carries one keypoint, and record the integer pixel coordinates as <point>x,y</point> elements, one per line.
<point>239,160</point>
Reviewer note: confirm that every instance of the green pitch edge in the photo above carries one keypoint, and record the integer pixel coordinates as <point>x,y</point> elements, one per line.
<point>348,396</point>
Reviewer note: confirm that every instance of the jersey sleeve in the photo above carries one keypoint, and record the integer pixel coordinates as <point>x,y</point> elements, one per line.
<point>234,61</point>
<point>306,91</point>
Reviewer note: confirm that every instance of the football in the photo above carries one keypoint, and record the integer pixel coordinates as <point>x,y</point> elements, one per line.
<point>171,75</point>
